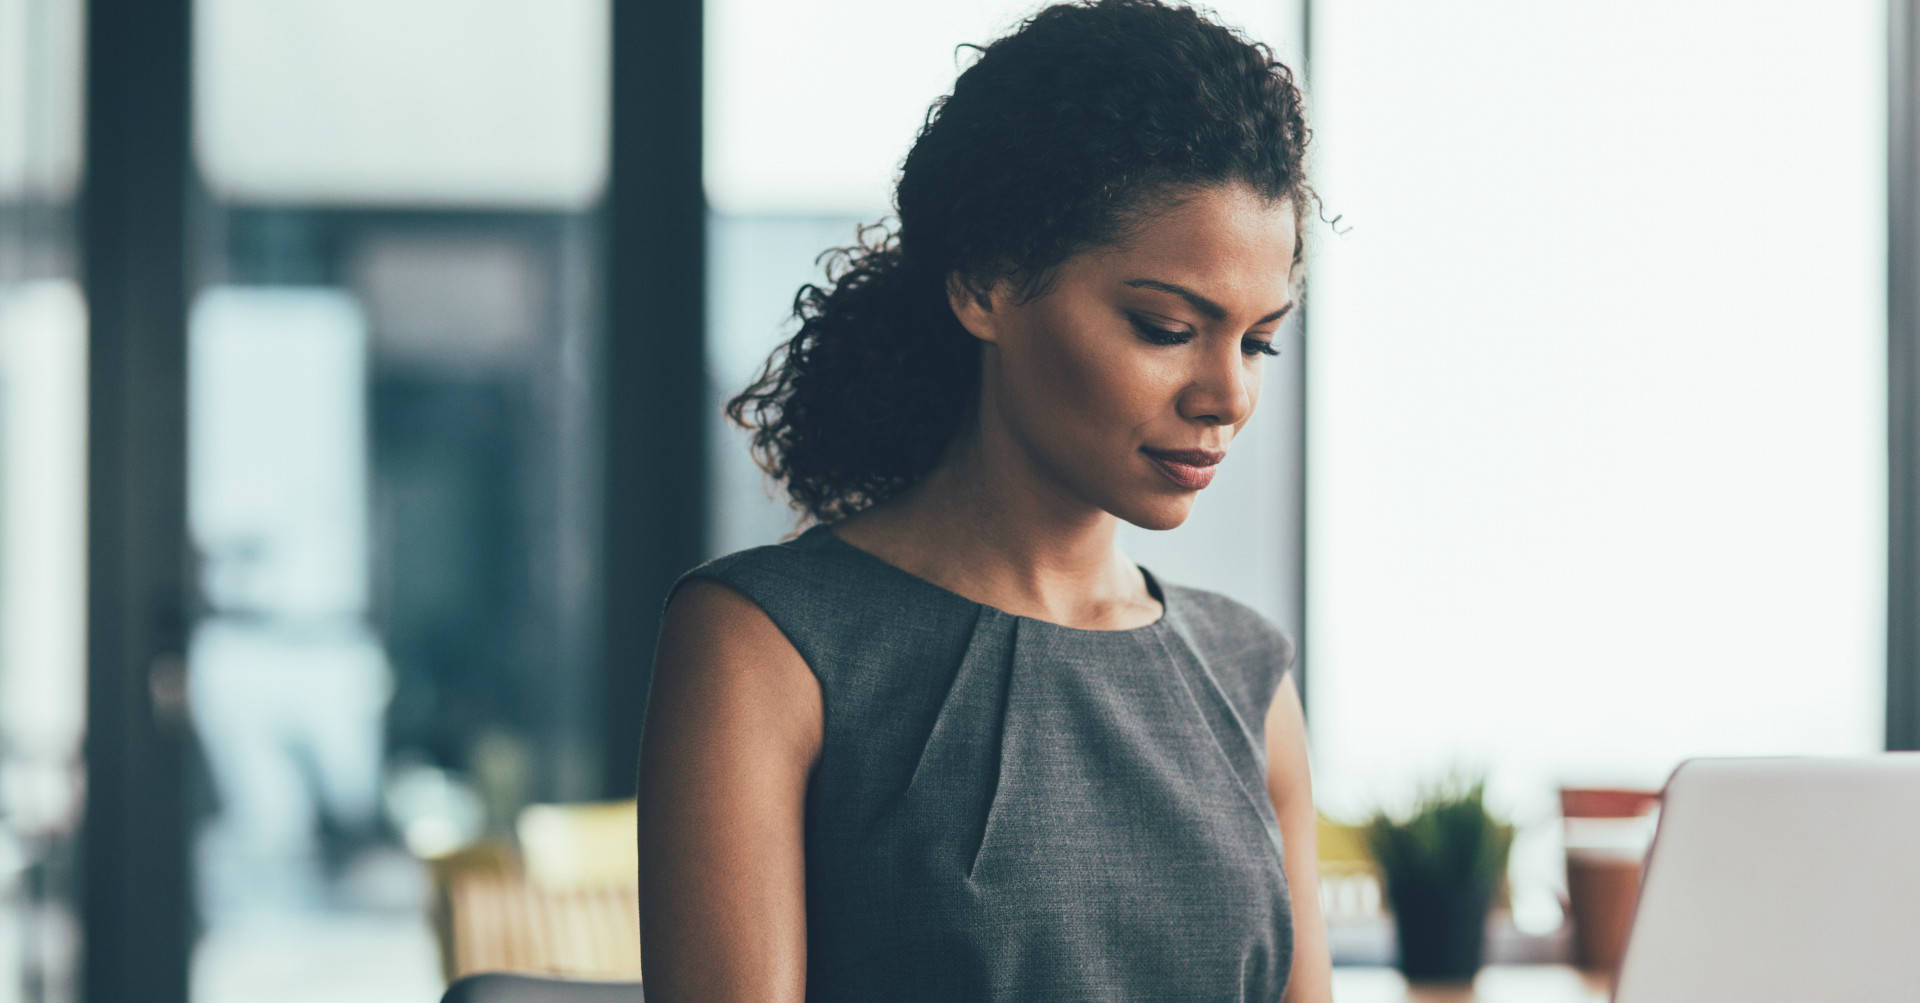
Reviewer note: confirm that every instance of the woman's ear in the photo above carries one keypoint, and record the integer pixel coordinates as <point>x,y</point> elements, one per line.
<point>973,307</point>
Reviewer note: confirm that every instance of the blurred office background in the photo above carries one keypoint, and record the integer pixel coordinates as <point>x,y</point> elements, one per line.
<point>360,380</point>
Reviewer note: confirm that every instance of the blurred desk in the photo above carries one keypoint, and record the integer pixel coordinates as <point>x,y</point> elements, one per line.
<point>1494,984</point>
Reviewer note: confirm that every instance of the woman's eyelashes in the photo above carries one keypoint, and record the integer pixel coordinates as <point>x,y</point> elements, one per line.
<point>1162,336</point>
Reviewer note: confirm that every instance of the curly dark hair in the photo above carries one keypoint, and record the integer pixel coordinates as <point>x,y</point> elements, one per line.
<point>1064,135</point>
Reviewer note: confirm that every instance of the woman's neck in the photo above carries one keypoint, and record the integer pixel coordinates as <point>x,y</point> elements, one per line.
<point>988,524</point>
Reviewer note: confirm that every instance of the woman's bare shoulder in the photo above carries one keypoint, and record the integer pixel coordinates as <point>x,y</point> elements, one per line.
<point>719,644</point>
<point>732,732</point>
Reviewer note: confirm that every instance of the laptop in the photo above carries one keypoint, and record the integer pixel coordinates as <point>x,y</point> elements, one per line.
<point>1781,880</point>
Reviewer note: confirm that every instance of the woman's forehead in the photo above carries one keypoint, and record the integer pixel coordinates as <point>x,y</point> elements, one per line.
<point>1229,240</point>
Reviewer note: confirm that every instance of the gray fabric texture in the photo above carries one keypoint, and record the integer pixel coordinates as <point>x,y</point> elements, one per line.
<point>1011,809</point>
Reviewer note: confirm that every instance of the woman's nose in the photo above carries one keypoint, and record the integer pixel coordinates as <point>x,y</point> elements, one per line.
<point>1222,390</point>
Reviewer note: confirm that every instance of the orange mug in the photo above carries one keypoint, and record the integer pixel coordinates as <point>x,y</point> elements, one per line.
<point>1608,832</point>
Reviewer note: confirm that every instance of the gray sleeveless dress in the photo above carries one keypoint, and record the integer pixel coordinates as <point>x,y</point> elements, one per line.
<point>1011,809</point>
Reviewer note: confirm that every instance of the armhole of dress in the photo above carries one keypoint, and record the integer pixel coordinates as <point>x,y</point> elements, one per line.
<point>1276,647</point>
<point>727,571</point>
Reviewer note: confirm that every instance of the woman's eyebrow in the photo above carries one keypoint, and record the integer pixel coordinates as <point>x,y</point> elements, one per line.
<point>1201,303</point>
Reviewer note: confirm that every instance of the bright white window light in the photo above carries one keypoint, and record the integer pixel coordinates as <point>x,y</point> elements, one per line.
<point>40,97</point>
<point>278,449</point>
<point>811,107</point>
<point>43,533</point>
<point>430,102</point>
<point>1597,427</point>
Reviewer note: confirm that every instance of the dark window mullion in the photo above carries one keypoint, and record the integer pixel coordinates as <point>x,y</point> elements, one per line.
<point>653,388</point>
<point>134,205</point>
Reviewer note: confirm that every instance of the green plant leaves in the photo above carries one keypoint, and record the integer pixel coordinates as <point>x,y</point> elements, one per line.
<point>1449,846</point>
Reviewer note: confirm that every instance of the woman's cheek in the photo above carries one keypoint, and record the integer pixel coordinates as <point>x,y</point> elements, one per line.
<point>1125,390</point>
<point>1066,376</point>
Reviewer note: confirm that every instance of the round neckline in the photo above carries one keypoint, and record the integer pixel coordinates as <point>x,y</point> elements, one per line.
<point>1154,587</point>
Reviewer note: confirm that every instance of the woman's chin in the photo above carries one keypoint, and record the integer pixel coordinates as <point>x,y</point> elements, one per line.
<point>1162,513</point>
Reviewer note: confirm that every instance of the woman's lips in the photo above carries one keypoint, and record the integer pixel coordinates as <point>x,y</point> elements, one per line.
<point>1189,475</point>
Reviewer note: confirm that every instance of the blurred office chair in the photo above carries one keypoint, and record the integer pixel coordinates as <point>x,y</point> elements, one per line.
<point>589,844</point>
<point>505,987</point>
<point>1349,881</point>
<point>562,899</point>
<point>1350,887</point>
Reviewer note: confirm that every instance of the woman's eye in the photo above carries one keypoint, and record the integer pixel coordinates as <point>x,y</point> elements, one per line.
<point>1159,335</point>
<point>1164,336</point>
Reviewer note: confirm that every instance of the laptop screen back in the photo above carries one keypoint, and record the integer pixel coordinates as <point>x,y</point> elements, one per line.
<point>1777,879</point>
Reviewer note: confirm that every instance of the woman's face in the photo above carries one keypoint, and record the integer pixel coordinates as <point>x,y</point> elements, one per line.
<point>1151,346</point>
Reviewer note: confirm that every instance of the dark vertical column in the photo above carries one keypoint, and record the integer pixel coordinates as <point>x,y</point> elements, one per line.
<point>655,515</point>
<point>133,209</point>
<point>1903,379</point>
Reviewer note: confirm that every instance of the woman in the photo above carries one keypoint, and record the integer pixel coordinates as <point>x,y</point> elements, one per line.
<point>949,743</point>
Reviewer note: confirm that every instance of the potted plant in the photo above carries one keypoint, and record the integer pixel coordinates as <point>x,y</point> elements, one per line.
<point>1441,870</point>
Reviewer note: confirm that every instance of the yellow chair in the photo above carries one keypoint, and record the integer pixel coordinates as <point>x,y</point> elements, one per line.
<point>580,845</point>
<point>563,898</point>
<point>1342,848</point>
<point>1349,881</point>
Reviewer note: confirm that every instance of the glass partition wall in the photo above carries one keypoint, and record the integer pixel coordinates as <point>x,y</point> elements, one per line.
<point>391,466</point>
<point>43,422</point>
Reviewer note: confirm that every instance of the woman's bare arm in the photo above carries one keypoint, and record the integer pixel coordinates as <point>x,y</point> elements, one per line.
<point>1290,784</point>
<point>733,728</point>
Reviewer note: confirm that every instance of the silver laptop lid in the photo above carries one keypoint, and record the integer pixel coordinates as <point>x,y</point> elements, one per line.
<point>1781,880</point>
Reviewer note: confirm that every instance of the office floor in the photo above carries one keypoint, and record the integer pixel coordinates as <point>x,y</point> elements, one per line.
<point>363,936</point>
<point>318,958</point>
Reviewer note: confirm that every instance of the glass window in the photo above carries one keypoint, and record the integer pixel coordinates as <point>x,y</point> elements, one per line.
<point>432,102</point>
<point>391,484</point>
<point>1597,437</point>
<point>43,425</point>
<point>40,97</point>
